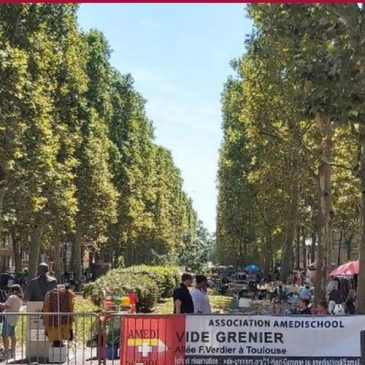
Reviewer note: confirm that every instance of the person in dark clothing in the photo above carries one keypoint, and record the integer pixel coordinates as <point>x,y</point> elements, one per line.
<point>4,280</point>
<point>354,281</point>
<point>3,297</point>
<point>281,294</point>
<point>304,306</point>
<point>183,302</point>
<point>335,296</point>
<point>41,284</point>
<point>350,302</point>
<point>3,294</point>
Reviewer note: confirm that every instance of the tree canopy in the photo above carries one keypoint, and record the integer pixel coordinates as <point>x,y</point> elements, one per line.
<point>78,159</point>
<point>289,192</point>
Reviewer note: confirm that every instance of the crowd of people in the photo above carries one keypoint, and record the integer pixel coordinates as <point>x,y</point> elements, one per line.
<point>340,293</point>
<point>302,303</point>
<point>191,296</point>
<point>11,299</point>
<point>7,280</point>
<point>296,295</point>
<point>293,297</point>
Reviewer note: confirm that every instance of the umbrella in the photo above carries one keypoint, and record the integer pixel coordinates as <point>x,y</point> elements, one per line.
<point>252,269</point>
<point>348,269</point>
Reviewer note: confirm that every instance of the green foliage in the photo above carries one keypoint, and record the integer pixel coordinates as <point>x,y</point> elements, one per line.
<point>153,211</point>
<point>149,282</point>
<point>195,251</point>
<point>165,277</point>
<point>289,120</point>
<point>120,262</point>
<point>78,160</point>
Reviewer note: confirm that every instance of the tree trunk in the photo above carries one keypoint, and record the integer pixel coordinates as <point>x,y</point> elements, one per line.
<point>35,245</point>
<point>73,248</point>
<point>349,246</point>
<point>118,251</point>
<point>77,258</point>
<point>240,252</point>
<point>340,247</point>
<point>313,247</point>
<point>289,233</point>
<point>360,303</point>
<point>2,196</point>
<point>57,260</point>
<point>320,281</point>
<point>297,249</point>
<point>16,252</point>
<point>267,257</point>
<point>324,173</point>
<point>128,254</point>
<point>303,250</point>
<point>314,233</point>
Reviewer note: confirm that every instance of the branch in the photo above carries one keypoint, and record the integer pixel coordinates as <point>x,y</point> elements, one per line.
<point>268,134</point>
<point>338,165</point>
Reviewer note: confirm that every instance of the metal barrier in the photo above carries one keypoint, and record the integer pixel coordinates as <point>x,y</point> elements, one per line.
<point>94,338</point>
<point>61,338</point>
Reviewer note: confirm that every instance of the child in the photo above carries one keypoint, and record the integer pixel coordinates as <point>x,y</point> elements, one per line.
<point>99,329</point>
<point>12,305</point>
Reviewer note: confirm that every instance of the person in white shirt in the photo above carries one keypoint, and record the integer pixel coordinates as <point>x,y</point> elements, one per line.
<point>200,295</point>
<point>12,305</point>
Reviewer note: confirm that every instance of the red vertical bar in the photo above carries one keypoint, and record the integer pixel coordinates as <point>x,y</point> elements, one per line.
<point>166,352</point>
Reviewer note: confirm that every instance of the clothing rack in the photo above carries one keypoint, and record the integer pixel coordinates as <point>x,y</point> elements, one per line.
<point>58,350</point>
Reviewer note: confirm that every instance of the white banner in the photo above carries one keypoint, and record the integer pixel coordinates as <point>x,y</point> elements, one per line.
<point>299,337</point>
<point>242,340</point>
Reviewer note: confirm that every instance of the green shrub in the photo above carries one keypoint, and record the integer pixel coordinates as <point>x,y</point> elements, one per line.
<point>149,282</point>
<point>171,278</point>
<point>106,285</point>
<point>166,277</point>
<point>145,288</point>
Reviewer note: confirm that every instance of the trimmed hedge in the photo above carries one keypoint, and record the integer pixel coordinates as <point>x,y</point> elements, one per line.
<point>149,282</point>
<point>166,277</point>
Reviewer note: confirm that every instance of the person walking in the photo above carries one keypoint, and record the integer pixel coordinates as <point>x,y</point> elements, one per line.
<point>12,305</point>
<point>183,302</point>
<point>200,296</point>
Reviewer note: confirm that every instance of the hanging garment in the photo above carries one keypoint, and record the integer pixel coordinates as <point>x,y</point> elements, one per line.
<point>344,287</point>
<point>59,327</point>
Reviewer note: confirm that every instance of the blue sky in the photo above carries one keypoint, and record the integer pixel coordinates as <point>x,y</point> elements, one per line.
<point>179,56</point>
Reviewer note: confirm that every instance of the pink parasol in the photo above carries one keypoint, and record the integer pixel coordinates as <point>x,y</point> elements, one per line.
<point>348,269</point>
